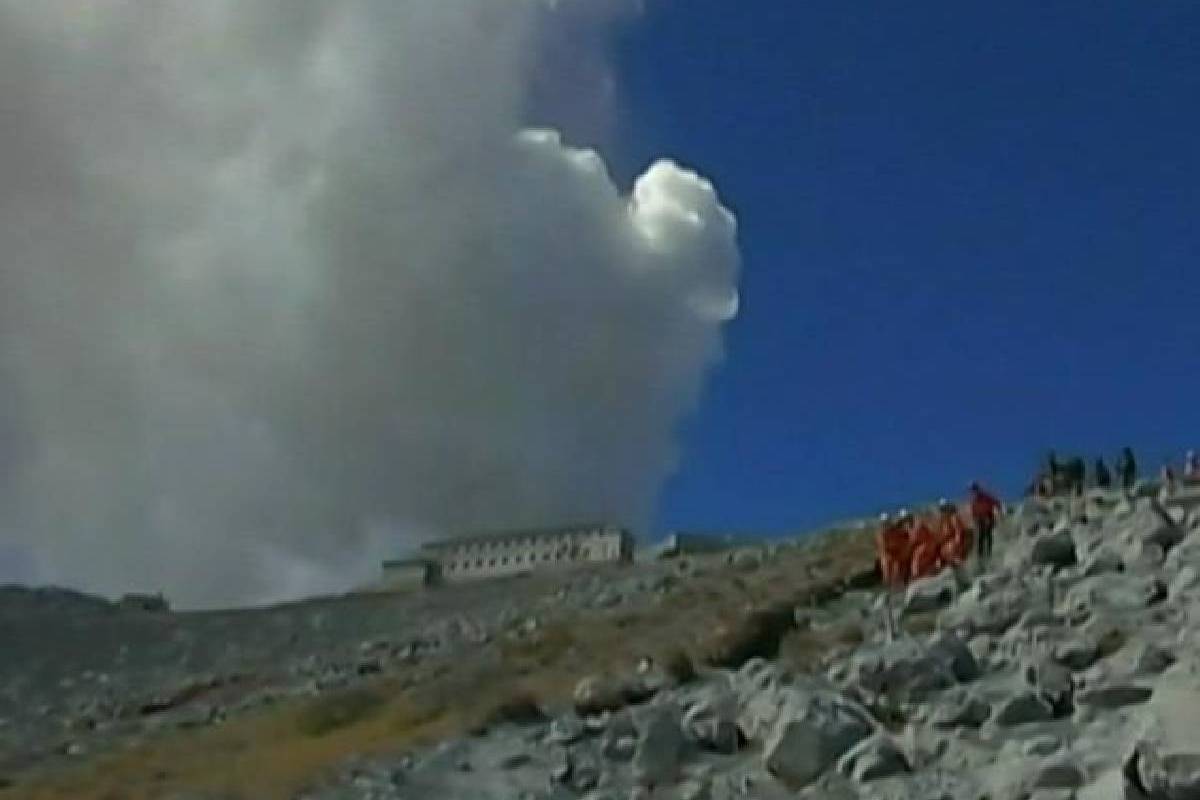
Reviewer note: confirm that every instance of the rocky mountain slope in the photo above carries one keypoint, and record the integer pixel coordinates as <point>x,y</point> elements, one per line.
<point>1067,668</point>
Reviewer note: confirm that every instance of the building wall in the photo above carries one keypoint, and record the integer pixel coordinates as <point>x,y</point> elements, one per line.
<point>518,553</point>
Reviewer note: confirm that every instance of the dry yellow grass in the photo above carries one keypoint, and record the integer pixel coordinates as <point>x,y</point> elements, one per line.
<point>276,753</point>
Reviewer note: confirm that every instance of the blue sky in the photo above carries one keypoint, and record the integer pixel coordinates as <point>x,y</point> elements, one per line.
<point>970,231</point>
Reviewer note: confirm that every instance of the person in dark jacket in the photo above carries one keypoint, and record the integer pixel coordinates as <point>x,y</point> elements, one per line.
<point>1127,468</point>
<point>1102,475</point>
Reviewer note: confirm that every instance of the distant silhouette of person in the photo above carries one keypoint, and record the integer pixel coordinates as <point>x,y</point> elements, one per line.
<point>1191,466</point>
<point>1127,468</point>
<point>1168,479</point>
<point>1101,474</point>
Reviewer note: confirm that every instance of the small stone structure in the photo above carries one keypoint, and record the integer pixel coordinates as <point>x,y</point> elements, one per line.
<point>410,573</point>
<point>491,555</point>
<point>682,544</point>
<point>144,602</point>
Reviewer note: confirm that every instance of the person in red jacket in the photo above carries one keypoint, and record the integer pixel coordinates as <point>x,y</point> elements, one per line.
<point>984,510</point>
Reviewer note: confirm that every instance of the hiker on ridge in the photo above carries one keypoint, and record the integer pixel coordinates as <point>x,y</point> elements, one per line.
<point>984,510</point>
<point>892,546</point>
<point>1168,479</point>
<point>1103,476</point>
<point>1191,466</point>
<point>926,550</point>
<point>1127,469</point>
<point>953,536</point>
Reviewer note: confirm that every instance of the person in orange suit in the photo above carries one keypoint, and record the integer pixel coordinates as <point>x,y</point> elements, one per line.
<point>926,550</point>
<point>952,534</point>
<point>891,543</point>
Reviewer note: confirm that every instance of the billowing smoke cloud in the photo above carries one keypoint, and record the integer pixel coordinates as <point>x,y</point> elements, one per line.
<point>287,285</point>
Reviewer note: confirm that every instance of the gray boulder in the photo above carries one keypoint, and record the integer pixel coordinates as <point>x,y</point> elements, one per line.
<point>1114,696</point>
<point>1056,549</point>
<point>811,730</point>
<point>953,653</point>
<point>1113,593</point>
<point>905,669</point>
<point>1059,773</point>
<point>1021,709</point>
<point>1054,684</point>
<point>1167,755</point>
<point>961,709</point>
<point>660,746</point>
<point>932,593</point>
<point>711,721</point>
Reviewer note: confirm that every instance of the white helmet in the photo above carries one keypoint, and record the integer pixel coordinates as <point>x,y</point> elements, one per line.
<point>943,503</point>
<point>885,517</point>
<point>904,513</point>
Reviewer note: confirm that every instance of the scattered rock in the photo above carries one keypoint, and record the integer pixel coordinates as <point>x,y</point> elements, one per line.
<point>1055,549</point>
<point>1114,696</point>
<point>1059,774</point>
<point>871,759</point>
<point>1022,709</point>
<point>1167,755</point>
<point>962,709</point>
<point>929,594</point>
<point>812,731</point>
<point>659,746</point>
<point>711,722</point>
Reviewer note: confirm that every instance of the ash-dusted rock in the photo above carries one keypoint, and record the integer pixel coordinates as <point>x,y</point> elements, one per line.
<point>711,721</point>
<point>1103,560</point>
<point>811,728</point>
<point>929,594</point>
<point>1151,659</point>
<point>1056,549</point>
<point>1110,785</point>
<point>660,746</point>
<point>620,737</point>
<point>1059,773</point>
<point>902,669</point>
<point>953,653</point>
<point>1165,535</point>
<point>1186,580</point>
<point>1076,654</point>
<point>1113,696</point>
<point>1167,756</point>
<point>960,709</point>
<point>979,611</point>
<point>1041,745</point>
<point>871,759</point>
<point>1113,593</point>
<point>1054,684</point>
<point>1022,709</point>
<point>596,694</point>
<point>565,730</point>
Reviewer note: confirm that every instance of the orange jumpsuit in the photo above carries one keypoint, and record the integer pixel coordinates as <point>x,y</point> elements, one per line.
<point>954,537</point>
<point>893,547</point>
<point>926,551</point>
